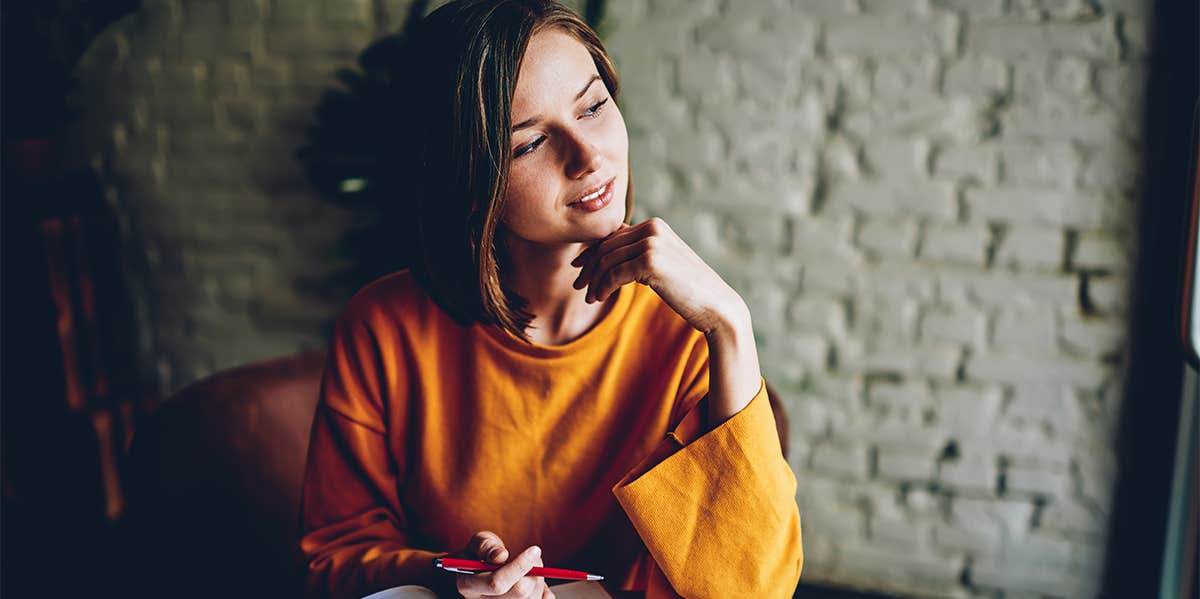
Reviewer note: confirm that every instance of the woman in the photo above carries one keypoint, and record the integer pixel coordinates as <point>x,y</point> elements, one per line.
<point>547,383</point>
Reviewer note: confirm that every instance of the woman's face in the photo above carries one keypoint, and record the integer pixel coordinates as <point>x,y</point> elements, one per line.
<point>568,143</point>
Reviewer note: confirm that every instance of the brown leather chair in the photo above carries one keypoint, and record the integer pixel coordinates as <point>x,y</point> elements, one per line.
<point>215,482</point>
<point>216,478</point>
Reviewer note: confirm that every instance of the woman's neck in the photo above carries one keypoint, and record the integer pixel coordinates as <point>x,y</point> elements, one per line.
<point>543,275</point>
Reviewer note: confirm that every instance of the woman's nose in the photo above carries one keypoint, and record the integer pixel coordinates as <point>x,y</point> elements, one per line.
<point>585,159</point>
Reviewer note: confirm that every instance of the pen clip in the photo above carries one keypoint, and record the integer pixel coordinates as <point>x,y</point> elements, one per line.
<point>437,562</point>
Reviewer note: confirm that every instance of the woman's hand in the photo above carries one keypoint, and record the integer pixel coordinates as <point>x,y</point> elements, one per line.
<point>508,581</point>
<point>652,254</point>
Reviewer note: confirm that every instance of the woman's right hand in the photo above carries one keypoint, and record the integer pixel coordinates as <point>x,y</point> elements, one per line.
<point>509,581</point>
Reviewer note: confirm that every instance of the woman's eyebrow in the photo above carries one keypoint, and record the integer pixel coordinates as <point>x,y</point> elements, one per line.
<point>533,121</point>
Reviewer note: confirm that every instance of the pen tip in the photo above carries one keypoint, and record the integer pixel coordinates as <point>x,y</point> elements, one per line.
<point>594,577</point>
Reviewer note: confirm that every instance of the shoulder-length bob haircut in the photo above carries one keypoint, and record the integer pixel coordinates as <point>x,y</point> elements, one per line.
<point>462,62</point>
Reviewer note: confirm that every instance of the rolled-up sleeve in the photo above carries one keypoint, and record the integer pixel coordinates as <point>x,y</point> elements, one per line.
<point>717,511</point>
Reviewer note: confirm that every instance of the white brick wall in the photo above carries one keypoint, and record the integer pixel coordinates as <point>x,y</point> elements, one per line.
<point>966,247</point>
<point>927,204</point>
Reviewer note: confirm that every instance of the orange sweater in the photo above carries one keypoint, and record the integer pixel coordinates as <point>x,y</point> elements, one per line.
<point>428,431</point>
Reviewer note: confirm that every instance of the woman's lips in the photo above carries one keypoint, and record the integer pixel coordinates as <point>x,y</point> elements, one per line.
<point>597,201</point>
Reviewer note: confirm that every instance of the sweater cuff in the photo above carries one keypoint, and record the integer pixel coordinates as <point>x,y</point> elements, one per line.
<point>745,426</point>
<point>728,492</point>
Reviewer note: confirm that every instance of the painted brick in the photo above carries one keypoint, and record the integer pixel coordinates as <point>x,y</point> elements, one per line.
<point>931,200</point>
<point>869,36</point>
<point>1095,39</point>
<point>1031,247</point>
<point>962,325</point>
<point>1038,207</point>
<point>955,244</point>
<point>892,238</point>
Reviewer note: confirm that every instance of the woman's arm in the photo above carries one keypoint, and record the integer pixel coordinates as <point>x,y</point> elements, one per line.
<point>733,371</point>
<point>354,531</point>
<point>354,528</point>
<point>652,254</point>
<point>714,502</point>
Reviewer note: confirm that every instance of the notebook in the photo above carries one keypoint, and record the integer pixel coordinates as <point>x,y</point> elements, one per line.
<point>583,589</point>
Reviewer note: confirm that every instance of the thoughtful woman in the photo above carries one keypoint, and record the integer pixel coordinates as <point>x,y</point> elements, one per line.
<point>547,383</point>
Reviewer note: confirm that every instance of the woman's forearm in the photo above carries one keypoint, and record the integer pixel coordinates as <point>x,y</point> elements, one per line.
<point>733,372</point>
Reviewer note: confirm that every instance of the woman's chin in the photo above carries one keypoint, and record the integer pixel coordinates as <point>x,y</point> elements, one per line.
<point>601,227</point>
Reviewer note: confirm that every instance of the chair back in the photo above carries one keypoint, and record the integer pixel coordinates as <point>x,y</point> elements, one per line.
<point>216,481</point>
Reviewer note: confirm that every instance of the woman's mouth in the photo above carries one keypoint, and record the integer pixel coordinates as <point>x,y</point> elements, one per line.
<point>597,199</point>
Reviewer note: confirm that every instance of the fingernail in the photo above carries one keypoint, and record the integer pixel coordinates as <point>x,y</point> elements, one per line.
<point>537,551</point>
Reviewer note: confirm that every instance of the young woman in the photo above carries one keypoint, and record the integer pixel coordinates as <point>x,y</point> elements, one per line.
<point>547,383</point>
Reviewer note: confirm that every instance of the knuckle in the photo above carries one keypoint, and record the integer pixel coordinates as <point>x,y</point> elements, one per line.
<point>532,558</point>
<point>650,261</point>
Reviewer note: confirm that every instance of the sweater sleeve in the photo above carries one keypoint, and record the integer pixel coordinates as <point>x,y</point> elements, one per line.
<point>354,530</point>
<point>717,509</point>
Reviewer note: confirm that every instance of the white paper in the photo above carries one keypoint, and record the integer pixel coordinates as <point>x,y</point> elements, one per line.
<point>408,591</point>
<point>583,589</point>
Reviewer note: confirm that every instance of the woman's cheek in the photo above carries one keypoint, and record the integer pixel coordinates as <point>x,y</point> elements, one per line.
<point>617,126</point>
<point>528,196</point>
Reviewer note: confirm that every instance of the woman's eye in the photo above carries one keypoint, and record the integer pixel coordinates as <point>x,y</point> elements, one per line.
<point>525,149</point>
<point>595,109</point>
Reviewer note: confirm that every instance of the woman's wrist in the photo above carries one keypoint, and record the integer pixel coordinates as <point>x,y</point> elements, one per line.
<point>734,376</point>
<point>730,321</point>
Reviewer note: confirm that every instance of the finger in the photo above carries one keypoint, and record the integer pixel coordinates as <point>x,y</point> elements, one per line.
<point>539,582</point>
<point>590,249</point>
<point>547,593</point>
<point>622,236</point>
<point>609,261</point>
<point>525,588</point>
<point>509,574</point>
<point>484,584</point>
<point>584,255</point>
<point>651,227</point>
<point>606,247</point>
<point>486,545</point>
<point>583,262</point>
<point>634,269</point>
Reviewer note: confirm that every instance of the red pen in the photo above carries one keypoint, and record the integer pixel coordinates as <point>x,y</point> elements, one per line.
<point>470,566</point>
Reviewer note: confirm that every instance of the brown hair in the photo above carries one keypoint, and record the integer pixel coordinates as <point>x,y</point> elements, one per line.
<point>463,59</point>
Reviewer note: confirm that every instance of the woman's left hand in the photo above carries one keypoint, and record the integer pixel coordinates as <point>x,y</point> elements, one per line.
<point>652,254</point>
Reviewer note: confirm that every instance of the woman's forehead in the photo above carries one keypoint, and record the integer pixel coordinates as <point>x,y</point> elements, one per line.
<point>555,67</point>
